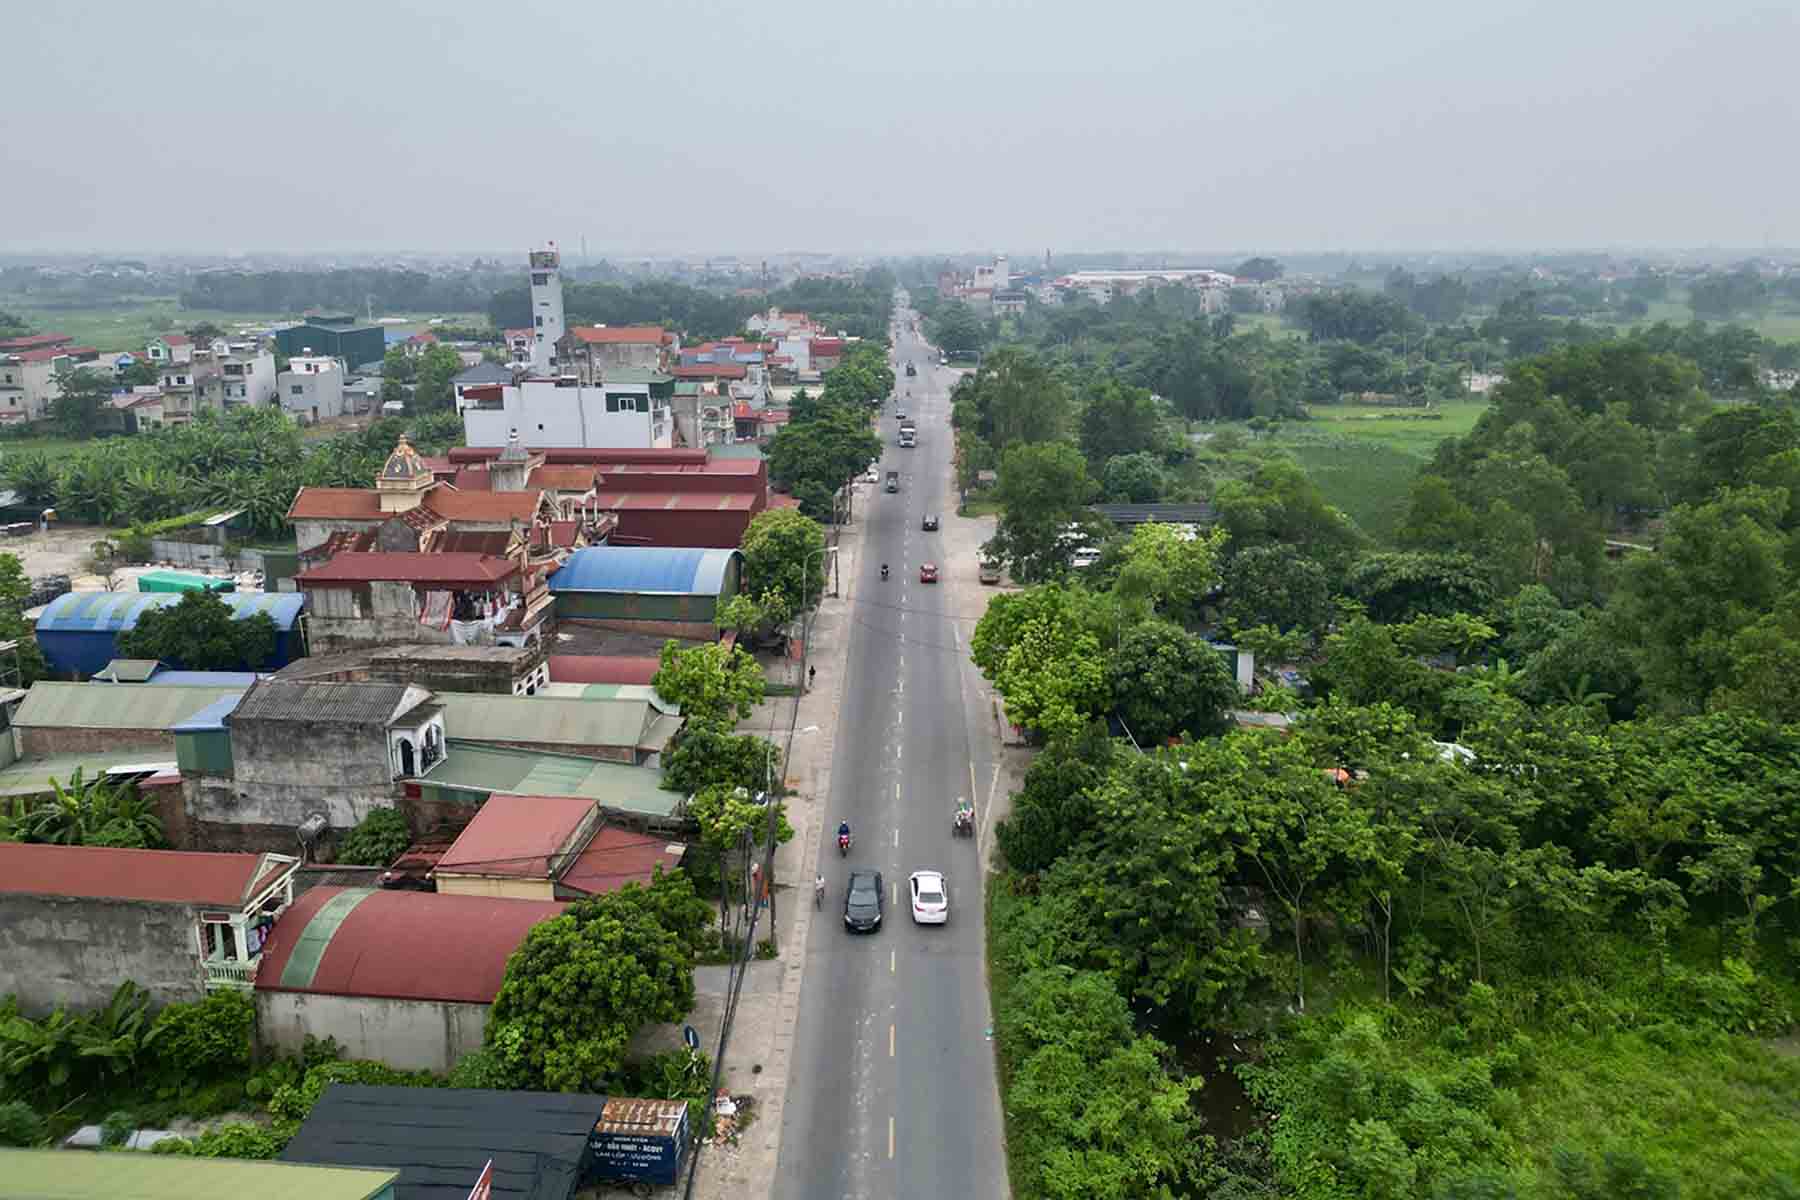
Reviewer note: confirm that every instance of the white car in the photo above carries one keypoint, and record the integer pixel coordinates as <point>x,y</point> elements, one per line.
<point>872,475</point>
<point>930,903</point>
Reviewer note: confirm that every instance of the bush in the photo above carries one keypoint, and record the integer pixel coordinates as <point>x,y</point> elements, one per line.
<point>239,1139</point>
<point>377,840</point>
<point>117,1129</point>
<point>294,1102</point>
<point>207,1038</point>
<point>479,1069</point>
<point>20,1124</point>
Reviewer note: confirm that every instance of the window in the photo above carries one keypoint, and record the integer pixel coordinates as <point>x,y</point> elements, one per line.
<point>538,278</point>
<point>539,320</point>
<point>643,404</point>
<point>612,404</point>
<point>297,389</point>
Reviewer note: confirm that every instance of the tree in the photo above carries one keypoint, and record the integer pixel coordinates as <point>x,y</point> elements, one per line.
<point>15,589</point>
<point>437,367</point>
<point>1400,585</point>
<point>201,634</point>
<point>1043,489</point>
<point>140,373</point>
<point>82,396</point>
<point>707,754</point>
<point>1279,587</point>
<point>1013,399</point>
<point>1279,503</point>
<point>582,984</point>
<point>1134,478</point>
<point>1169,570</point>
<point>1436,519</point>
<point>1259,270</point>
<point>378,839</point>
<point>1118,419</point>
<point>784,552</point>
<point>861,378</point>
<point>816,456</point>
<point>1053,685</point>
<point>1165,681</point>
<point>1054,810</point>
<point>712,684</point>
<point>956,330</point>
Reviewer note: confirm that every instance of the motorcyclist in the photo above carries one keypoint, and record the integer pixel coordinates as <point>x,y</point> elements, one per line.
<point>884,570</point>
<point>843,831</point>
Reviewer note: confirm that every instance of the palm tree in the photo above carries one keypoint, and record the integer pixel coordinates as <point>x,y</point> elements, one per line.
<point>33,476</point>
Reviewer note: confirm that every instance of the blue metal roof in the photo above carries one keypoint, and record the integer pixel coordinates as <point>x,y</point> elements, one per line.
<point>167,678</point>
<point>211,717</point>
<point>110,612</point>
<point>653,570</point>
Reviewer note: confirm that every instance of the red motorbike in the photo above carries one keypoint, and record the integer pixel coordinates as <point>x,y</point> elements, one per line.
<point>843,844</point>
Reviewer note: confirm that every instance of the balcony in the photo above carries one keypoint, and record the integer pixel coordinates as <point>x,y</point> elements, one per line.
<point>230,975</point>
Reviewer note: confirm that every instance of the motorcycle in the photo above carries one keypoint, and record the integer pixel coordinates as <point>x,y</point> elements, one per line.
<point>884,572</point>
<point>843,844</point>
<point>963,823</point>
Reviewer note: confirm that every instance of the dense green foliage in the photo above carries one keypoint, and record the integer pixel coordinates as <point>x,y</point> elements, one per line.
<point>83,812</point>
<point>201,633</point>
<point>784,552</point>
<point>252,459</point>
<point>378,839</point>
<point>583,983</point>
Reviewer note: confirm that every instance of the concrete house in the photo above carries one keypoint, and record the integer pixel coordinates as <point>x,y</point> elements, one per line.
<point>76,921</point>
<point>86,718</point>
<point>373,599</point>
<point>312,389</point>
<point>403,977</point>
<point>592,352</point>
<point>170,348</point>
<point>299,749</point>
<point>549,848</point>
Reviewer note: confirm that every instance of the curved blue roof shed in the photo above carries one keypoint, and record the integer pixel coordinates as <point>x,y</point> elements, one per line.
<point>646,583</point>
<point>78,631</point>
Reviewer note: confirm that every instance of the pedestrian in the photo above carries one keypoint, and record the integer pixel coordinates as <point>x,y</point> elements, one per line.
<point>810,672</point>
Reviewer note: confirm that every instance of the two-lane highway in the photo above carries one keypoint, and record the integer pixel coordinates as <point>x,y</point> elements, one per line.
<point>892,1091</point>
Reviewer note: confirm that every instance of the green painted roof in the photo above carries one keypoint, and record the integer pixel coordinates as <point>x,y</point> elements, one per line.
<point>55,705</point>
<point>734,450</point>
<point>548,720</point>
<point>133,1175</point>
<point>30,776</point>
<point>527,773</point>
<point>632,376</point>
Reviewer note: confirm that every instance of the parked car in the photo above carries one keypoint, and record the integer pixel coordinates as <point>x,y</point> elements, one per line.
<point>893,481</point>
<point>911,370</point>
<point>927,572</point>
<point>930,902</point>
<point>872,475</point>
<point>862,902</point>
<point>990,571</point>
<point>929,523</point>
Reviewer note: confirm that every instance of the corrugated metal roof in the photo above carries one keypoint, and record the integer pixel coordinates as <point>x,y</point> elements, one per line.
<point>441,1138</point>
<point>129,670</point>
<point>52,705</point>
<point>111,612</point>
<point>335,703</point>
<point>472,767</point>
<point>652,570</point>
<point>32,776</point>
<point>603,668</point>
<point>168,876</point>
<point>398,945</point>
<point>548,720</point>
<point>518,836</point>
<point>211,717</point>
<point>57,1175</point>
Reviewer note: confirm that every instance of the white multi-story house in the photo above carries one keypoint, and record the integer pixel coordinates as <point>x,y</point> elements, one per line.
<point>168,349</point>
<point>312,388</point>
<point>629,410</point>
<point>249,373</point>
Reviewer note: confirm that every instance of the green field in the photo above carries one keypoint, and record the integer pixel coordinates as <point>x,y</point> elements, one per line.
<point>1779,323</point>
<point>1270,323</point>
<point>51,447</point>
<point>1364,458</point>
<point>128,326</point>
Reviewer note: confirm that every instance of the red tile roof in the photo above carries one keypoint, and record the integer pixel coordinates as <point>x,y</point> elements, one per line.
<point>403,945</point>
<point>335,504</point>
<point>158,876</point>
<point>616,335</point>
<point>517,836</point>
<point>556,534</point>
<point>564,477</point>
<point>175,339</point>
<point>625,500</point>
<point>341,541</point>
<point>616,857</point>
<point>53,352</point>
<point>484,506</point>
<point>446,569</point>
<point>583,454</point>
<point>711,371</point>
<point>603,668</point>
<point>474,541</point>
<point>472,479</point>
<point>34,341</point>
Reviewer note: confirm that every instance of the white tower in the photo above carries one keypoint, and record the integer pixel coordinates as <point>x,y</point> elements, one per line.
<point>546,309</point>
<point>1002,277</point>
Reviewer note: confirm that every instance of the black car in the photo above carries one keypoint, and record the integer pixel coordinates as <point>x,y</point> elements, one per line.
<point>929,523</point>
<point>862,902</point>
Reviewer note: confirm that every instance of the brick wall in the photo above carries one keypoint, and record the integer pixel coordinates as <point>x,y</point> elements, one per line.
<point>42,741</point>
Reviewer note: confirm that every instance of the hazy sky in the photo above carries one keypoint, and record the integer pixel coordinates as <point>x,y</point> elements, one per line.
<point>871,125</point>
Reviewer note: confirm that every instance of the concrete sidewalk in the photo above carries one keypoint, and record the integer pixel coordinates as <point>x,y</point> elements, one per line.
<point>756,1060</point>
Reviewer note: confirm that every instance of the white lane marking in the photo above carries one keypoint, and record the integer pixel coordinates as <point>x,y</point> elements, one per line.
<point>896,839</point>
<point>891,1037</point>
<point>893,960</point>
<point>890,1137</point>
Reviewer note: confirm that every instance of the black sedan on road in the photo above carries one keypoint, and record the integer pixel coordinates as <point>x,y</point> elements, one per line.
<point>862,902</point>
<point>929,523</point>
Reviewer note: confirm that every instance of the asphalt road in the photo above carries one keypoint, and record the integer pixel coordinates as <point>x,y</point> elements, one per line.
<point>892,1091</point>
